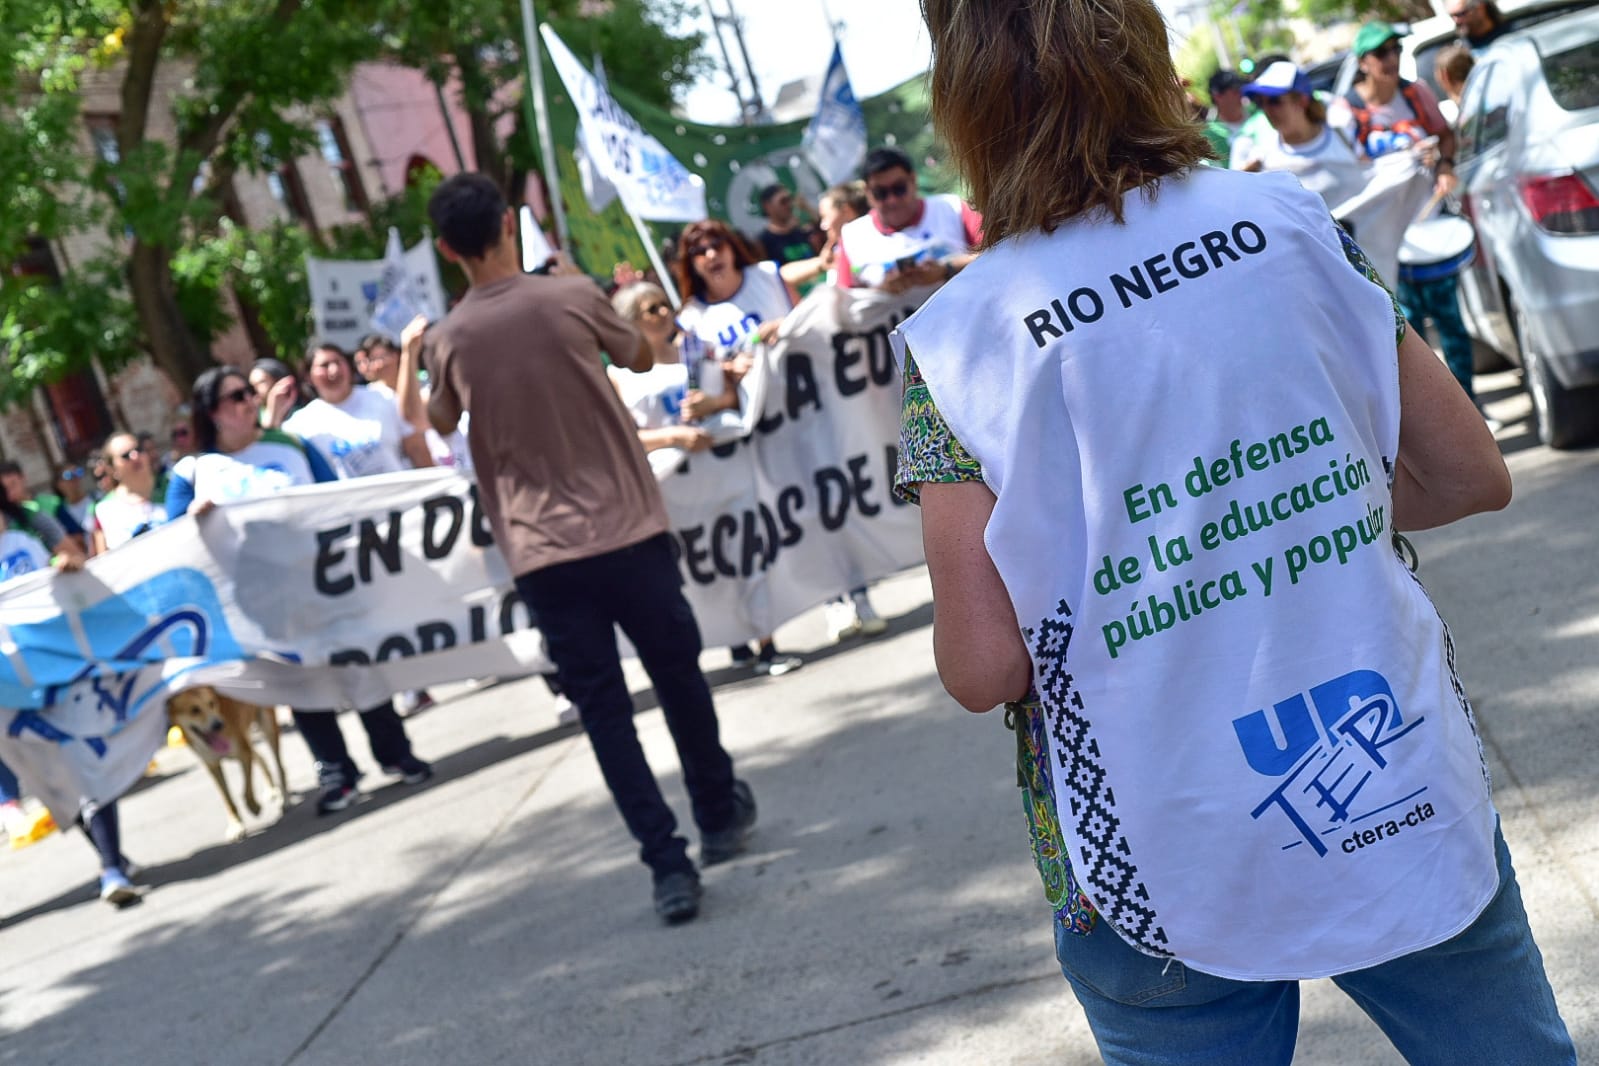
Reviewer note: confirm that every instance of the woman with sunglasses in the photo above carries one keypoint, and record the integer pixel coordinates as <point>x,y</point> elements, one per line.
<point>239,460</point>
<point>134,505</point>
<point>1299,140</point>
<point>1147,352</point>
<point>733,300</point>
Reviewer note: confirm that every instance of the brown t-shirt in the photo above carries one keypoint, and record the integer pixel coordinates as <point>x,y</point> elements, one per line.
<point>560,469</point>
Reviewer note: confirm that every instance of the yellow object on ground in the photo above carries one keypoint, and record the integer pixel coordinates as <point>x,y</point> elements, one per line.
<point>36,829</point>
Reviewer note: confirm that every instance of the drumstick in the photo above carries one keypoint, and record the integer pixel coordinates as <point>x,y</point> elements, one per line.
<point>1427,209</point>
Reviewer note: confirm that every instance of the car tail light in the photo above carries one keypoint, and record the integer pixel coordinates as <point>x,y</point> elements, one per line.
<point>1561,203</point>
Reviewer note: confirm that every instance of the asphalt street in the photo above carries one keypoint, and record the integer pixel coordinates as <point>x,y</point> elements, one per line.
<point>888,911</point>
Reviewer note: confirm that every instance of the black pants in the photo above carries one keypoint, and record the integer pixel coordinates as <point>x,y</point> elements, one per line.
<point>578,604</point>
<point>384,730</point>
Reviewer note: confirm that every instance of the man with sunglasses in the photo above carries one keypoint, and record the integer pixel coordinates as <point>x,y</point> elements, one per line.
<point>906,240</point>
<point>785,239</point>
<point>1478,23</point>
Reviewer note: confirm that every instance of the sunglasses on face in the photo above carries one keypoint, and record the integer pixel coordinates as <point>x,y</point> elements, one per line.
<point>1270,102</point>
<point>885,192</point>
<point>707,246</point>
<point>181,433</point>
<point>72,475</point>
<point>239,395</point>
<point>1388,50</point>
<point>130,455</point>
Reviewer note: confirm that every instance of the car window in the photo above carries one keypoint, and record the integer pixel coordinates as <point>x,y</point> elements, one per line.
<point>1492,117</point>
<point>1573,76</point>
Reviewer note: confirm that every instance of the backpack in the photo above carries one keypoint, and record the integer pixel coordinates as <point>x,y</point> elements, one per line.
<point>1377,140</point>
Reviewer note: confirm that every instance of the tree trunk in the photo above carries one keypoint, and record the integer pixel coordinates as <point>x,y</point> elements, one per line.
<point>477,99</point>
<point>173,345</point>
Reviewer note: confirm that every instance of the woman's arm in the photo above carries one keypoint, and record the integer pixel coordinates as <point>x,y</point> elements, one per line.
<point>977,642</point>
<point>1449,466</point>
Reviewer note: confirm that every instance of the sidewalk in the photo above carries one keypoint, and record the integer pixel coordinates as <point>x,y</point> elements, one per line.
<point>888,912</point>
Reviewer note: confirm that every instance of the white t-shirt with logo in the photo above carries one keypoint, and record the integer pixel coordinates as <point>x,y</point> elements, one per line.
<point>871,253</point>
<point>761,298</point>
<point>269,465</point>
<point>119,517</point>
<point>360,436</point>
<point>21,553</point>
<point>1264,762</point>
<point>1327,165</point>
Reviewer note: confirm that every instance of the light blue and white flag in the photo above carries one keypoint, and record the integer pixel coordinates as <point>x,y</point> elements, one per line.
<point>653,185</point>
<point>835,140</point>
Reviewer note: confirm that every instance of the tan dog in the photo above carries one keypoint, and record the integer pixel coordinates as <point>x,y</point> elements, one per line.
<point>217,727</point>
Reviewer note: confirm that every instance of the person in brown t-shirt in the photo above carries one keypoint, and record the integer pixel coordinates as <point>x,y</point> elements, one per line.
<point>576,511</point>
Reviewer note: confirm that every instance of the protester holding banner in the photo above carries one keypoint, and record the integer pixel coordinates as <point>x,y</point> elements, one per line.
<point>239,460</point>
<point>358,428</point>
<point>1237,758</point>
<point>579,517</point>
<point>907,240</point>
<point>736,299</point>
<point>134,505</point>
<point>389,373</point>
<point>664,399</point>
<point>838,205</point>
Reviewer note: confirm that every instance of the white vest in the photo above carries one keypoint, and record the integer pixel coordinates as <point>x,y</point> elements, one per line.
<point>939,234</point>
<point>21,553</point>
<point>1176,415</point>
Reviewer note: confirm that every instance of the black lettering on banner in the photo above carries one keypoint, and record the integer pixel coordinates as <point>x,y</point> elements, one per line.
<point>790,501</point>
<point>434,636</point>
<point>832,497</point>
<point>482,535</point>
<point>695,556</point>
<point>327,558</point>
<point>349,657</point>
<point>848,351</point>
<point>386,546</point>
<point>860,484</point>
<point>724,527</point>
<point>756,524</point>
<point>434,544</point>
<point>510,604</point>
<point>802,388</point>
<point>880,357</point>
<point>770,422</point>
<point>477,622</point>
<point>395,647</point>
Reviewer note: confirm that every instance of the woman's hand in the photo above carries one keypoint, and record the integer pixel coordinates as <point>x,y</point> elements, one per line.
<point>201,507</point>
<point>68,560</point>
<point>279,402</point>
<point>697,405</point>
<point>767,331</point>
<point>734,369</point>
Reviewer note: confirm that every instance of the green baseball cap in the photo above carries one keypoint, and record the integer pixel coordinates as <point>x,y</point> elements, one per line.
<point>1373,35</point>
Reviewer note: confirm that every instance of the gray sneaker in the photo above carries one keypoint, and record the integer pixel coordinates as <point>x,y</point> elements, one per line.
<point>725,843</point>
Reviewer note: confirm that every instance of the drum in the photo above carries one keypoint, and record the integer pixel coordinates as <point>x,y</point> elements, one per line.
<point>1437,247</point>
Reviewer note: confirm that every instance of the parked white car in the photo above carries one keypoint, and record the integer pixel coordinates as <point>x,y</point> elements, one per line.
<point>1527,155</point>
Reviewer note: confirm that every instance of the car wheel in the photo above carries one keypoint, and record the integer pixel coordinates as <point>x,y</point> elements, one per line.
<point>1565,417</point>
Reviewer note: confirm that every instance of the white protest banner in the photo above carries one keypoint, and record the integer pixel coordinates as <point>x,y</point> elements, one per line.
<point>1380,213</point>
<point>802,510</point>
<point>398,300</point>
<point>653,185</point>
<point>345,292</point>
<point>319,597</point>
<point>835,140</point>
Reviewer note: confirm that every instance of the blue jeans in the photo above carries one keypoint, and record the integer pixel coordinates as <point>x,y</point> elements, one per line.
<point>10,791</point>
<point>1439,300</point>
<point>1480,997</point>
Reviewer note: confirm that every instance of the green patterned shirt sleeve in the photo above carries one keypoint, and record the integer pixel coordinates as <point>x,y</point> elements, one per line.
<point>1358,260</point>
<point>928,450</point>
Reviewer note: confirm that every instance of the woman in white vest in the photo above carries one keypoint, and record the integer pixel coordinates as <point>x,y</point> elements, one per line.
<point>1300,140</point>
<point>731,299</point>
<point>1162,435</point>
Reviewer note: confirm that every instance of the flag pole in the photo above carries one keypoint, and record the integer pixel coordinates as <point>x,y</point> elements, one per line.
<point>655,258</point>
<point>541,114</point>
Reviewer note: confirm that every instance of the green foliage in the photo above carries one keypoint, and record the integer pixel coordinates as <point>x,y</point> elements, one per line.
<point>49,331</point>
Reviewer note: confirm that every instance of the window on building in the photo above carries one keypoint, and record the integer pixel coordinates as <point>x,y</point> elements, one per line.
<point>335,146</point>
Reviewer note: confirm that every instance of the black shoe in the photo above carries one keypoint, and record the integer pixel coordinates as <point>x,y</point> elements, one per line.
<point>677,897</point>
<point>743,655</point>
<point>725,843</point>
<point>411,770</point>
<point>337,789</point>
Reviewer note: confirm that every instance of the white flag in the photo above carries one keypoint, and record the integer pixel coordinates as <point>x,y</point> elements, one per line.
<point>835,140</point>
<point>651,182</point>
<point>397,303</point>
<point>536,250</point>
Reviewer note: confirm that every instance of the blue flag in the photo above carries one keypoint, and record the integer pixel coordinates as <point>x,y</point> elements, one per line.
<point>835,140</point>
